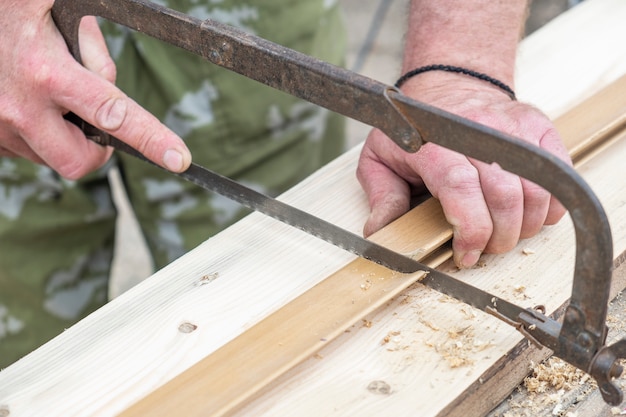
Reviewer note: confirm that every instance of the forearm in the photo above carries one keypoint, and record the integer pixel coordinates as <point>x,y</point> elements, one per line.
<point>481,35</point>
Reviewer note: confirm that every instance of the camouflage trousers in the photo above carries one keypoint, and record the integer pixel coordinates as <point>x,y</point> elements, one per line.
<point>57,236</point>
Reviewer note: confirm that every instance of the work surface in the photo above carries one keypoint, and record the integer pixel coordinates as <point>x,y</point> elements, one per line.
<point>395,360</point>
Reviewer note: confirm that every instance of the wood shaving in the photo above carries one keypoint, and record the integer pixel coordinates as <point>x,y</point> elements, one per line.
<point>448,299</point>
<point>208,278</point>
<point>554,374</point>
<point>430,325</point>
<point>519,288</point>
<point>389,336</point>
<point>469,313</point>
<point>519,291</point>
<point>406,299</point>
<point>460,347</point>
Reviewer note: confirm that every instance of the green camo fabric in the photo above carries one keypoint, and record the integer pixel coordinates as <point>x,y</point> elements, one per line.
<point>57,236</point>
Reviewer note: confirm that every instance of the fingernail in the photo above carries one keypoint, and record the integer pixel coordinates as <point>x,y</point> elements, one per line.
<point>173,160</point>
<point>470,259</point>
<point>375,222</point>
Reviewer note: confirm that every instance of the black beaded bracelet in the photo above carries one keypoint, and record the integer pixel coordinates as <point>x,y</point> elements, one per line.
<point>460,70</point>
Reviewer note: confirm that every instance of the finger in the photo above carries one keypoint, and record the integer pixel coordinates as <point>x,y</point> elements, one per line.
<point>109,109</point>
<point>13,147</point>
<point>504,196</point>
<point>63,141</point>
<point>5,153</point>
<point>551,141</point>
<point>536,206</point>
<point>93,49</point>
<point>555,212</point>
<point>387,193</point>
<point>455,182</point>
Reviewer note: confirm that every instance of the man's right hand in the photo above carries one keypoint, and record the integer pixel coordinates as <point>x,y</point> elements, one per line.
<point>40,82</point>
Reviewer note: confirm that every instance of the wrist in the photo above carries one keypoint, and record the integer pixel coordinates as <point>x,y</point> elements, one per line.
<point>481,35</point>
<point>445,89</point>
<point>485,78</point>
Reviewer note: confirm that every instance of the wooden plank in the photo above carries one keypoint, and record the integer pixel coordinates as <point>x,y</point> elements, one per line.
<point>581,399</point>
<point>289,335</point>
<point>556,81</point>
<point>127,349</point>
<point>602,116</point>
<point>424,371</point>
<point>302,327</point>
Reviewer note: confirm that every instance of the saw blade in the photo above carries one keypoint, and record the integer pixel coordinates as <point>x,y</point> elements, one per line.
<point>337,236</point>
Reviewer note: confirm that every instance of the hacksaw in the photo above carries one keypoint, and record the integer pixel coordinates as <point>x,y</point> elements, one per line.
<point>580,339</point>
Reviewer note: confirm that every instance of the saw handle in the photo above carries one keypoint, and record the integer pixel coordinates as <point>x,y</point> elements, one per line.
<point>580,340</point>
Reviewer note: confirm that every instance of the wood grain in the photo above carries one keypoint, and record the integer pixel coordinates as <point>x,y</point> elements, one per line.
<point>305,325</point>
<point>302,327</point>
<point>190,309</point>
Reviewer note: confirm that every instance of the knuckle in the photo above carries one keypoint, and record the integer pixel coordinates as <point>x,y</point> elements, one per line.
<point>42,74</point>
<point>144,142</point>
<point>476,235</point>
<point>461,178</point>
<point>500,247</point>
<point>471,237</point>
<point>111,113</point>
<point>76,168</point>
<point>108,70</point>
<point>505,197</point>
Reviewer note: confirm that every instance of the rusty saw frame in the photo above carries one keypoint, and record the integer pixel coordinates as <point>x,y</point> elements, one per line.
<point>579,340</point>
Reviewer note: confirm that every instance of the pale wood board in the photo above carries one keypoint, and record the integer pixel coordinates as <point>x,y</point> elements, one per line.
<point>582,398</point>
<point>417,363</point>
<point>131,346</point>
<point>303,326</point>
<point>573,56</point>
<point>289,336</point>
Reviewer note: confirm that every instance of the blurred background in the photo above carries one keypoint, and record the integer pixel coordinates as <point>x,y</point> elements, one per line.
<point>376,39</point>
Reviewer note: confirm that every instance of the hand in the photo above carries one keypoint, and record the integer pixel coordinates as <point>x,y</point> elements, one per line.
<point>40,81</point>
<point>489,209</point>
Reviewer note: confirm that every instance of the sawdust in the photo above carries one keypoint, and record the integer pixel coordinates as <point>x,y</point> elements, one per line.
<point>554,374</point>
<point>389,337</point>
<point>519,292</point>
<point>429,324</point>
<point>616,411</point>
<point>447,299</point>
<point>460,347</point>
<point>207,279</point>
<point>551,389</point>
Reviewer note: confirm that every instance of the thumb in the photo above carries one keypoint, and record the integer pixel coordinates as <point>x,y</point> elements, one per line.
<point>387,193</point>
<point>103,105</point>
